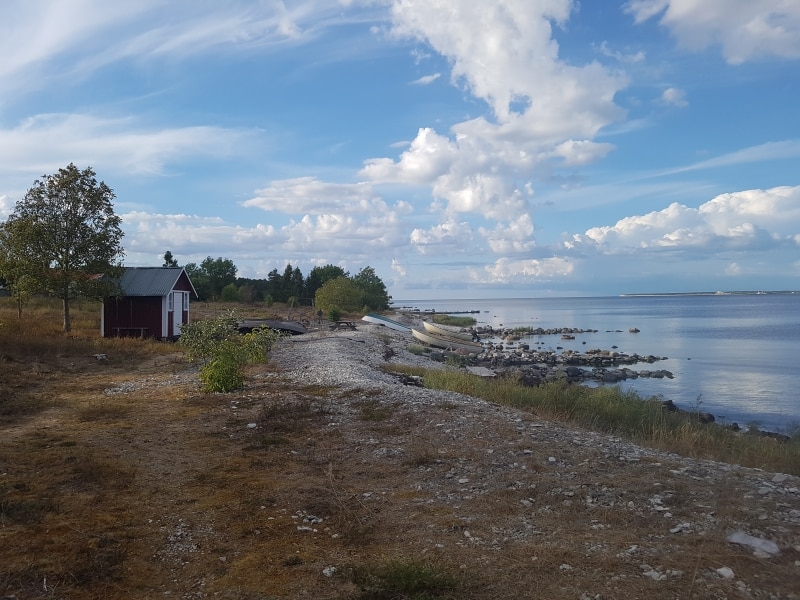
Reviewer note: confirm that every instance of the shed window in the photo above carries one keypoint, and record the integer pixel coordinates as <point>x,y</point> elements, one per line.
<point>171,302</point>
<point>185,302</point>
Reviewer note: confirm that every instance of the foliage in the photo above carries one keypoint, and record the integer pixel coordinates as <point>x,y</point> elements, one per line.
<point>63,238</point>
<point>319,275</point>
<point>342,293</point>
<point>211,276</point>
<point>223,351</point>
<point>334,314</point>
<point>375,295</point>
<point>230,293</point>
<point>169,260</point>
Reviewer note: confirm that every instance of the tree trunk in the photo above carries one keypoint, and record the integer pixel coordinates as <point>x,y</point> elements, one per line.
<point>67,321</point>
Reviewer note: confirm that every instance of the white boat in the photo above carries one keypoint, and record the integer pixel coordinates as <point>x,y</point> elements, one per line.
<point>386,322</point>
<point>437,329</point>
<point>446,342</point>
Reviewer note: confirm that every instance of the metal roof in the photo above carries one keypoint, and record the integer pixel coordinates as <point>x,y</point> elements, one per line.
<point>150,281</point>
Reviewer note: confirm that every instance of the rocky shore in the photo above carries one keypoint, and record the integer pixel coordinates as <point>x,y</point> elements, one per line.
<point>546,509</point>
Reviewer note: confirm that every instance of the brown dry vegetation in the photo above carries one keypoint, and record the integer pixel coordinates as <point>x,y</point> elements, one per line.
<point>159,490</point>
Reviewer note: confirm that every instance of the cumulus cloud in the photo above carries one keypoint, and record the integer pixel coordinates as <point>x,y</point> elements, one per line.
<point>510,238</point>
<point>751,219</point>
<point>744,30</point>
<point>445,237</point>
<point>521,272</point>
<point>544,112</point>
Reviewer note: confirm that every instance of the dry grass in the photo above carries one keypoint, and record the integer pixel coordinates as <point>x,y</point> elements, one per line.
<point>164,491</point>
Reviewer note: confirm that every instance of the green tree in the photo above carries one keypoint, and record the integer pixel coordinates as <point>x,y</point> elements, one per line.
<point>64,238</point>
<point>319,275</point>
<point>169,260</point>
<point>220,272</point>
<point>230,293</point>
<point>341,293</point>
<point>375,295</point>
<point>211,276</point>
<point>16,266</point>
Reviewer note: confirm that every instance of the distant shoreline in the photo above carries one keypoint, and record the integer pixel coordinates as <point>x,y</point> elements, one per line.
<point>717,293</point>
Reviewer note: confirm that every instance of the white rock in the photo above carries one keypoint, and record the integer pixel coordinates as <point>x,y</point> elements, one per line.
<point>756,543</point>
<point>329,571</point>
<point>725,572</point>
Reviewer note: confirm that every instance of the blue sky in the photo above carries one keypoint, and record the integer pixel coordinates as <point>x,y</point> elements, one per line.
<point>503,148</point>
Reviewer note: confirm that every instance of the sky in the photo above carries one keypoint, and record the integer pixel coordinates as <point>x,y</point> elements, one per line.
<point>481,149</point>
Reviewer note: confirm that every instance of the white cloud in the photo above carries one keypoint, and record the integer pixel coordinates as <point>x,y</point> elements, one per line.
<point>44,143</point>
<point>426,79</point>
<point>446,237</point>
<point>511,238</point>
<point>544,111</point>
<point>309,194</point>
<point>6,206</point>
<point>744,30</point>
<point>505,271</point>
<point>754,219</point>
<point>399,268</point>
<point>674,97</point>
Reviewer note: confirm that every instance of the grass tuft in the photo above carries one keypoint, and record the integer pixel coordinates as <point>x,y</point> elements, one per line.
<point>402,580</point>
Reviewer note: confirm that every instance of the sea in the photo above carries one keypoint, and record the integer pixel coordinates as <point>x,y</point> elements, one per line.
<point>734,355</point>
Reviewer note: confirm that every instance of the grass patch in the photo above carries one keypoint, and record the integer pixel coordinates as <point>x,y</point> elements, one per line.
<point>402,580</point>
<point>626,414</point>
<point>374,410</point>
<point>418,349</point>
<point>454,321</point>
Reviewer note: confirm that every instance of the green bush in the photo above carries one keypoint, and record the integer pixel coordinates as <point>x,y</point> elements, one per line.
<point>222,374</point>
<point>334,314</point>
<point>223,352</point>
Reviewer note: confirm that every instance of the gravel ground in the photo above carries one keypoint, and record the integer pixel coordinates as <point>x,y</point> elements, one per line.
<point>611,512</point>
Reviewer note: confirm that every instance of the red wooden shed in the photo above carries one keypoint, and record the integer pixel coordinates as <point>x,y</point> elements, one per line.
<point>154,303</point>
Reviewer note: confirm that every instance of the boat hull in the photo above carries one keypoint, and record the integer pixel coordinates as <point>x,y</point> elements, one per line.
<point>436,329</point>
<point>447,343</point>
<point>386,322</point>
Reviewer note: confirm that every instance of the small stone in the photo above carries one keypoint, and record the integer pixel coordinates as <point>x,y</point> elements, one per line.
<point>252,425</point>
<point>725,572</point>
<point>780,478</point>
<point>329,571</point>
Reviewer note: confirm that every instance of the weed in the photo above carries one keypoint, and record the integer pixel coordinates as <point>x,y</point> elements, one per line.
<point>374,410</point>
<point>403,580</point>
<point>418,349</point>
<point>454,321</point>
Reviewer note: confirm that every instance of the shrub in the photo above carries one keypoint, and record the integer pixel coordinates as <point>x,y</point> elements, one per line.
<point>223,351</point>
<point>334,314</point>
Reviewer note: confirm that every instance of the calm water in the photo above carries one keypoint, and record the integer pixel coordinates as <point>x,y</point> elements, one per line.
<point>737,355</point>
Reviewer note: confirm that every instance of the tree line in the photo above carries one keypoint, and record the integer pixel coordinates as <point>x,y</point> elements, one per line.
<point>64,239</point>
<point>215,279</point>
